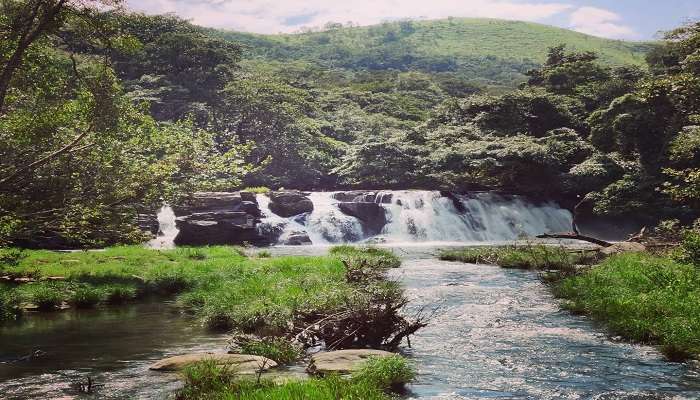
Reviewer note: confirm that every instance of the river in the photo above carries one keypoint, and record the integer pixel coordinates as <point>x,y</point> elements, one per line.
<point>497,334</point>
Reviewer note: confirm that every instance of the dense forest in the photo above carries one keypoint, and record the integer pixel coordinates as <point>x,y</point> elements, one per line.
<point>105,114</point>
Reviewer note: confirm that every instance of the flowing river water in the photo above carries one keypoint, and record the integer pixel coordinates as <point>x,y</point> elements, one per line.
<point>497,334</point>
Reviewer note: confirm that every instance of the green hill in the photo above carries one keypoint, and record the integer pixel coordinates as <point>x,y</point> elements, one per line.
<point>496,51</point>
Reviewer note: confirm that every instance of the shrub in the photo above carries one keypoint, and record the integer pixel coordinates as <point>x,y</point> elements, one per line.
<point>9,304</point>
<point>387,373</point>
<point>278,349</point>
<point>263,254</point>
<point>85,297</point>
<point>117,293</point>
<point>10,257</point>
<point>257,190</point>
<point>46,297</point>
<point>689,252</point>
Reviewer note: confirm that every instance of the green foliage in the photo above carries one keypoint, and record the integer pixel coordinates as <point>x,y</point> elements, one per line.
<point>279,349</point>
<point>207,380</point>
<point>9,304</point>
<point>643,298</point>
<point>494,51</point>
<point>689,252</point>
<point>85,297</point>
<point>386,373</point>
<point>536,257</point>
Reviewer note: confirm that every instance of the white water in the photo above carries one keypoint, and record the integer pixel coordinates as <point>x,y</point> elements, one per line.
<point>167,230</point>
<point>425,216</point>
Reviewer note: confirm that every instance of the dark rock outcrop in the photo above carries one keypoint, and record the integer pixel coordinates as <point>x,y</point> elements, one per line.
<point>372,215</point>
<point>148,222</point>
<point>288,203</point>
<point>218,218</point>
<point>363,197</point>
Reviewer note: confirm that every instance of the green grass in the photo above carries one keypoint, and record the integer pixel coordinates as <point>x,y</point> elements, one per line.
<point>207,380</point>
<point>279,349</point>
<point>265,296</point>
<point>536,257</point>
<point>641,297</point>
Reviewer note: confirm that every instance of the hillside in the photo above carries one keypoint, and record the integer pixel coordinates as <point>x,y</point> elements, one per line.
<point>493,51</point>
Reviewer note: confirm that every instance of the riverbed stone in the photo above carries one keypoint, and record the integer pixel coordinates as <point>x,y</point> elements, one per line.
<point>297,239</point>
<point>241,363</point>
<point>288,203</point>
<point>342,361</point>
<point>623,247</point>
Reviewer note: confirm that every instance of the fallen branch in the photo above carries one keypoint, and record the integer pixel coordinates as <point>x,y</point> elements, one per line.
<point>575,236</point>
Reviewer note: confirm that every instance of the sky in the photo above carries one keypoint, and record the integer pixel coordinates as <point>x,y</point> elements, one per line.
<point>618,19</point>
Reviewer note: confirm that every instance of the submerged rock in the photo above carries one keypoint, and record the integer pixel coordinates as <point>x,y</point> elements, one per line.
<point>297,239</point>
<point>372,215</point>
<point>289,203</point>
<point>241,363</point>
<point>342,361</point>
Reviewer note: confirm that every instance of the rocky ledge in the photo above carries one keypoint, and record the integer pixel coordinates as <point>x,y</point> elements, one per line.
<point>218,218</point>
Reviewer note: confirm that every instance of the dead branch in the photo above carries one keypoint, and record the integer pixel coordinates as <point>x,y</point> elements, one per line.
<point>575,236</point>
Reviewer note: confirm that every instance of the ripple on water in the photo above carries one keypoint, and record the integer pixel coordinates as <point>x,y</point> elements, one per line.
<point>501,335</point>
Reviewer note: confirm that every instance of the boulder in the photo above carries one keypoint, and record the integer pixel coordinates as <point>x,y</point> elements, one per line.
<point>297,239</point>
<point>209,201</point>
<point>342,361</point>
<point>288,203</point>
<point>241,363</point>
<point>623,247</point>
<point>148,222</point>
<point>217,227</point>
<point>372,215</point>
<point>218,218</point>
<point>364,197</point>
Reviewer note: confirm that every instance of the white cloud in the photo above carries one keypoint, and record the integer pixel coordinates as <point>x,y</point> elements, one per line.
<point>269,16</point>
<point>600,22</point>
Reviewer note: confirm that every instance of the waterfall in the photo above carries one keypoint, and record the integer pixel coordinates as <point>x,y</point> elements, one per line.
<point>422,216</point>
<point>167,229</point>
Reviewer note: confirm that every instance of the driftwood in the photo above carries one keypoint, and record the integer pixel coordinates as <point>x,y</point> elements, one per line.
<point>576,236</point>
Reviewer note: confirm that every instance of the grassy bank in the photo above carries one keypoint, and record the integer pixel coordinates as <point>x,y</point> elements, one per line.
<point>536,257</point>
<point>641,297</point>
<point>221,285</point>
<point>375,381</point>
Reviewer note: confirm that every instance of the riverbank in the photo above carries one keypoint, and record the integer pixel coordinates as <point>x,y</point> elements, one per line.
<point>277,305</point>
<point>639,296</point>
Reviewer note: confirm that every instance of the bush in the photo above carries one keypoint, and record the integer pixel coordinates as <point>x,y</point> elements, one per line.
<point>278,349</point>
<point>689,252</point>
<point>263,254</point>
<point>642,298</point>
<point>45,297</point>
<point>118,294</point>
<point>85,297</point>
<point>9,305</point>
<point>387,373</point>
<point>10,257</point>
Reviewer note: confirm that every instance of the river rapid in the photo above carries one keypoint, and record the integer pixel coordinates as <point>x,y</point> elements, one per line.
<point>496,334</point>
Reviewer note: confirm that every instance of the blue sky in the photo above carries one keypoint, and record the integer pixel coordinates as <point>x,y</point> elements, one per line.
<point>621,19</point>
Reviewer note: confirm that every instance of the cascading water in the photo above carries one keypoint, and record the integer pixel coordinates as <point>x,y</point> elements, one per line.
<point>167,229</point>
<point>422,216</point>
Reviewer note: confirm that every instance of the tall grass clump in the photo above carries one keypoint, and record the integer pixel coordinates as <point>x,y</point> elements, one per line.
<point>641,297</point>
<point>535,257</point>
<point>207,380</point>
<point>279,349</point>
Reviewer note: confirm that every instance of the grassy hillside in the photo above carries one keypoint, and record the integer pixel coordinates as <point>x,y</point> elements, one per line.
<point>495,51</point>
